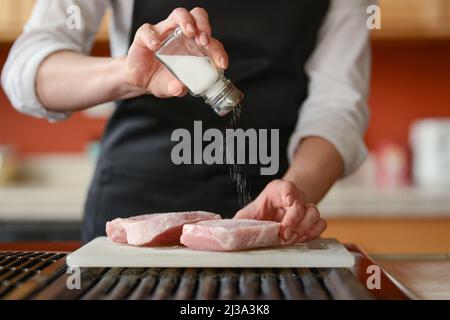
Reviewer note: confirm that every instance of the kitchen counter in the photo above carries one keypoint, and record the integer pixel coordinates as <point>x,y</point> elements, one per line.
<point>65,203</point>
<point>428,277</point>
<point>402,220</point>
<point>56,188</point>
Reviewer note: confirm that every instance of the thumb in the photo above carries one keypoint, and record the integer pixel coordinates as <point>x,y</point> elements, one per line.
<point>176,88</point>
<point>164,84</point>
<point>245,213</point>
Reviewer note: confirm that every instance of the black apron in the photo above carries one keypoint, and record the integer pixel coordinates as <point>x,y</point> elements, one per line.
<point>268,43</point>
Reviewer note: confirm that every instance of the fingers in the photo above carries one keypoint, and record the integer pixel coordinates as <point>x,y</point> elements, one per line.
<point>308,223</point>
<point>203,27</point>
<point>248,212</point>
<point>244,213</point>
<point>176,88</point>
<point>165,85</point>
<point>277,191</point>
<point>292,239</point>
<point>316,230</point>
<point>217,53</point>
<point>291,220</point>
<point>147,37</point>
<point>282,201</point>
<point>257,209</point>
<point>194,23</point>
<point>179,17</point>
<point>286,195</point>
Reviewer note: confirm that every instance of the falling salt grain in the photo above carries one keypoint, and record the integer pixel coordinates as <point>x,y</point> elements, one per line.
<point>235,169</point>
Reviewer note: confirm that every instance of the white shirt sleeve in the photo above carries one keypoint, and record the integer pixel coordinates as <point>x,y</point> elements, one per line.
<point>46,32</point>
<point>339,74</point>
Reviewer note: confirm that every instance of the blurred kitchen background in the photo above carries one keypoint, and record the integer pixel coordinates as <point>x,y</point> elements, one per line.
<point>399,200</point>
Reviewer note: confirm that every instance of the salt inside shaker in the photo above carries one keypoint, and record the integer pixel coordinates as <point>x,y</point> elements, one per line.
<point>194,68</point>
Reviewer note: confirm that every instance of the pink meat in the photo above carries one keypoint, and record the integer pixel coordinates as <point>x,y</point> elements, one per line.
<point>116,231</point>
<point>159,229</point>
<point>231,235</point>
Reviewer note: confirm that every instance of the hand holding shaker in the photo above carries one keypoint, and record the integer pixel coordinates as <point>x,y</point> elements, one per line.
<point>195,69</point>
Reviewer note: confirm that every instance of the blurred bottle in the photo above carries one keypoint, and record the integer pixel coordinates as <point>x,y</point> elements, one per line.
<point>430,143</point>
<point>93,148</point>
<point>8,165</point>
<point>393,165</point>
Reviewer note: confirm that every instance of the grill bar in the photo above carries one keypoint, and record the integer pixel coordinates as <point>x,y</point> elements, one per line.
<point>290,285</point>
<point>146,284</point>
<point>269,285</point>
<point>42,275</point>
<point>126,283</point>
<point>208,284</point>
<point>22,273</point>
<point>188,282</point>
<point>311,285</point>
<point>59,289</point>
<point>249,284</point>
<point>104,285</point>
<point>342,285</point>
<point>228,285</point>
<point>168,280</point>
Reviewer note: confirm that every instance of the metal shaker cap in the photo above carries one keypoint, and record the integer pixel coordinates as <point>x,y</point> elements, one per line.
<point>227,100</point>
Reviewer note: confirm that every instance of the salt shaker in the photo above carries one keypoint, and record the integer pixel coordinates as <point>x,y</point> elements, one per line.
<point>192,66</point>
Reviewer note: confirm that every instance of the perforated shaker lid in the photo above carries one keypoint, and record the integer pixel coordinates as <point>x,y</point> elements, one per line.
<point>227,101</point>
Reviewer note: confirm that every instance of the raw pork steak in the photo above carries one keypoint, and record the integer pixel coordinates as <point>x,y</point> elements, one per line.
<point>158,229</point>
<point>231,234</point>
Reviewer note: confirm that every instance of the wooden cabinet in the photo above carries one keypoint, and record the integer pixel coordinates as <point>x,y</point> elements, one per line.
<point>414,19</point>
<point>15,13</point>
<point>399,19</point>
<point>407,19</point>
<point>411,236</point>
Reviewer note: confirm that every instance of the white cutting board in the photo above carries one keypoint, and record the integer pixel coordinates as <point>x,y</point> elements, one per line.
<point>320,253</point>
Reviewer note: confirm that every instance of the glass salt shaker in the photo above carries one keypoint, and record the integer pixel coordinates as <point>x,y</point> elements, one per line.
<point>195,69</point>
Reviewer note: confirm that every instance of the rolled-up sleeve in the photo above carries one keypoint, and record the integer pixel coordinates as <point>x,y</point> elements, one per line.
<point>48,30</point>
<point>339,74</point>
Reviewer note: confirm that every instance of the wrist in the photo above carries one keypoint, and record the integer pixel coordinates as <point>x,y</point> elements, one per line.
<point>122,88</point>
<point>301,181</point>
<point>315,167</point>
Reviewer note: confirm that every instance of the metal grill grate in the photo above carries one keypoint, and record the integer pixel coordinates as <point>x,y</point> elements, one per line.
<point>41,275</point>
<point>28,271</point>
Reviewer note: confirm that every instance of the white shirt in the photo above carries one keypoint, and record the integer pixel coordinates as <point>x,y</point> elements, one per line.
<point>338,69</point>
